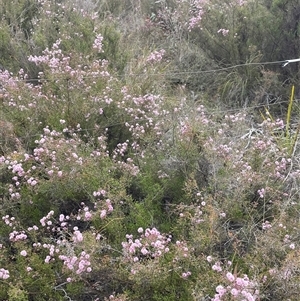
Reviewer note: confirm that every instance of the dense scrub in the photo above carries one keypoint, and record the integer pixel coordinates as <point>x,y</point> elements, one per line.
<point>149,150</point>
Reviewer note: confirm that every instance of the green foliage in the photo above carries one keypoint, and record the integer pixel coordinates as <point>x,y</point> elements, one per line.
<point>6,57</point>
<point>16,294</point>
<point>113,52</point>
<point>175,290</point>
<point>19,15</point>
<point>17,18</point>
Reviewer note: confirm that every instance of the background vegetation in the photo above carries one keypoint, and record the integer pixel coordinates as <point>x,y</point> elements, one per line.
<point>149,150</point>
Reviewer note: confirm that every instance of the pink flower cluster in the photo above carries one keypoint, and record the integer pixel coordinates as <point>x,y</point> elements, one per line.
<point>266,225</point>
<point>52,251</point>
<point>239,288</point>
<point>98,43</point>
<point>197,11</point>
<point>241,2</point>
<point>151,244</point>
<point>146,114</point>
<point>121,149</point>
<point>8,220</point>
<point>261,193</point>
<point>16,236</point>
<point>86,213</point>
<point>54,58</point>
<point>4,274</point>
<point>77,235</point>
<point>79,264</point>
<point>156,56</point>
<point>100,192</point>
<point>281,168</point>
<point>7,80</point>
<point>46,219</point>
<point>185,275</point>
<point>17,168</point>
<point>182,250</point>
<point>109,208</point>
<point>62,64</point>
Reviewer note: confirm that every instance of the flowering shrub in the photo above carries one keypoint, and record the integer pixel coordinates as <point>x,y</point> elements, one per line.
<point>123,174</point>
<point>156,56</point>
<point>237,288</point>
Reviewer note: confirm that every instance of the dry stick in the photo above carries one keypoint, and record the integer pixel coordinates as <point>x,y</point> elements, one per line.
<point>288,117</point>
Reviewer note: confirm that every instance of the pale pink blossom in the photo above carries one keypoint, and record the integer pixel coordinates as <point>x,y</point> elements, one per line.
<point>223,31</point>
<point>23,253</point>
<point>4,274</point>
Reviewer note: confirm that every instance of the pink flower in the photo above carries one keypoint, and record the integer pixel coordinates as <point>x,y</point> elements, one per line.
<point>221,290</point>
<point>217,267</point>
<point>103,213</point>
<point>292,246</point>
<point>186,275</point>
<point>98,43</point>
<point>4,274</point>
<point>266,225</point>
<point>87,216</point>
<point>230,277</point>
<point>209,258</point>
<point>23,253</point>
<point>156,56</point>
<point>261,193</point>
<point>47,259</point>
<point>144,251</point>
<point>61,217</point>
<point>223,31</point>
<point>77,237</point>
